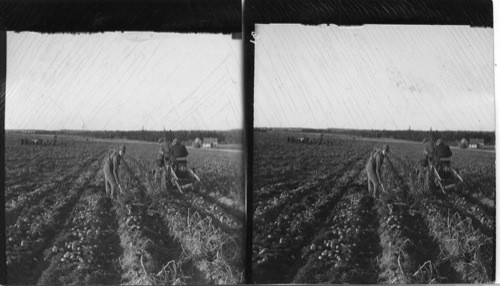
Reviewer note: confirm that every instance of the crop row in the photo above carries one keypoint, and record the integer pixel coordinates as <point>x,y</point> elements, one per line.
<point>216,255</point>
<point>483,219</point>
<point>40,166</point>
<point>344,251</point>
<point>35,227</point>
<point>278,165</point>
<point>24,200</point>
<point>270,199</point>
<point>209,205</point>
<point>459,199</point>
<point>86,249</point>
<point>277,243</point>
<point>219,193</point>
<point>222,173</point>
<point>463,246</point>
<point>211,195</point>
<point>150,253</point>
<point>267,207</point>
<point>408,253</point>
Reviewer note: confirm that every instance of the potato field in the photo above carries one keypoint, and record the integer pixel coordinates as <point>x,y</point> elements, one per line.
<point>63,230</point>
<point>314,222</point>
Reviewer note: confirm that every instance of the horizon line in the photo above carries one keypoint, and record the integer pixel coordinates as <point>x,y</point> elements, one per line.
<point>373,129</point>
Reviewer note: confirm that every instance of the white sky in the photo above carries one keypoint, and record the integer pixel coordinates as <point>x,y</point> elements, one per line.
<point>374,76</point>
<point>123,81</point>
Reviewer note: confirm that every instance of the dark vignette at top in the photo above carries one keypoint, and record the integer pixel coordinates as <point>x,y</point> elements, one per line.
<point>474,13</point>
<point>93,16</point>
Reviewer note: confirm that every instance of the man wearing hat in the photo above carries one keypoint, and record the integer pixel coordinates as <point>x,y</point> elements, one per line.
<point>442,154</point>
<point>428,152</point>
<point>165,155</point>
<point>111,171</point>
<point>374,169</point>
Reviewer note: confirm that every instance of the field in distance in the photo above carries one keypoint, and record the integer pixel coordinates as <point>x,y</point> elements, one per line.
<point>314,222</point>
<point>62,229</point>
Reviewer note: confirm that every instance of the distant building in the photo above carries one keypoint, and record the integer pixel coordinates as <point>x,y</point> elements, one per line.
<point>462,144</point>
<point>210,142</point>
<point>476,143</point>
<point>197,143</point>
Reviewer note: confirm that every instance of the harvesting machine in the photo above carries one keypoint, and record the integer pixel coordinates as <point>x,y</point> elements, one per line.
<point>178,174</point>
<point>443,175</point>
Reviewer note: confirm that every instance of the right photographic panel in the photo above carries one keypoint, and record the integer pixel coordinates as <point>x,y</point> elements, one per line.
<point>373,154</point>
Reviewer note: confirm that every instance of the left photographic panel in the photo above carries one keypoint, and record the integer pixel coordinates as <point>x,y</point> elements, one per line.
<point>124,158</point>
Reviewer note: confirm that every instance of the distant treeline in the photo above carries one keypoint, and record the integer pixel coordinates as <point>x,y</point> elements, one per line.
<point>224,137</point>
<point>411,135</point>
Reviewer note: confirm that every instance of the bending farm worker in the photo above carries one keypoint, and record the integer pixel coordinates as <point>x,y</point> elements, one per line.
<point>428,152</point>
<point>165,156</point>
<point>374,169</point>
<point>111,172</point>
<point>165,151</point>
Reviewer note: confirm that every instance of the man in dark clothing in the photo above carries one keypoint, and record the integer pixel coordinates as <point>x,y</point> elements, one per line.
<point>442,154</point>
<point>111,171</point>
<point>178,149</point>
<point>442,150</point>
<point>374,169</point>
